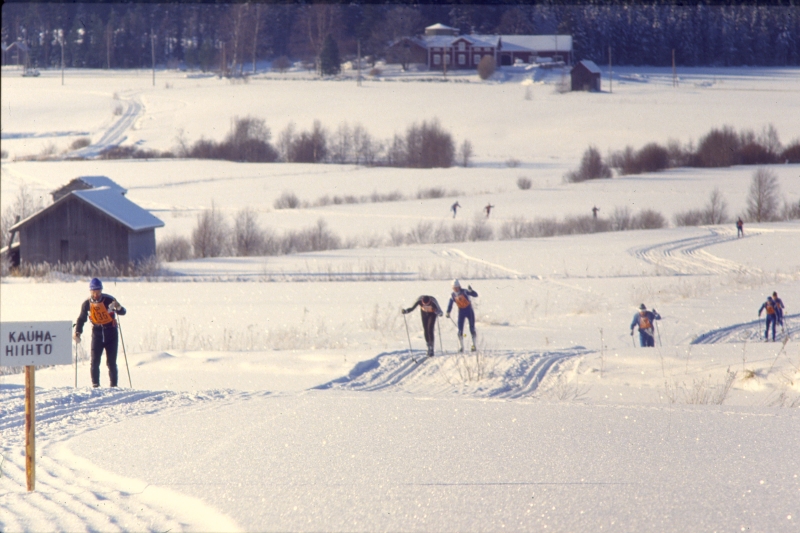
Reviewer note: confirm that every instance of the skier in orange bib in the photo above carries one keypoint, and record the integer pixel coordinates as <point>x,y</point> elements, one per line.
<point>645,319</point>
<point>101,309</point>
<point>461,297</point>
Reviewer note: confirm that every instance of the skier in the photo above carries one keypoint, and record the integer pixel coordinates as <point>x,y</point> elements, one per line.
<point>739,228</point>
<point>454,208</point>
<point>595,209</point>
<point>772,317</point>
<point>488,209</point>
<point>429,309</point>
<point>645,320</point>
<point>101,309</point>
<point>778,308</point>
<point>461,298</point>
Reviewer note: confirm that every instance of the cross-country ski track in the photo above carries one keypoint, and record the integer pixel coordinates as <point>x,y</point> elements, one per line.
<point>750,331</point>
<point>688,256</point>
<point>75,497</point>
<point>513,374</point>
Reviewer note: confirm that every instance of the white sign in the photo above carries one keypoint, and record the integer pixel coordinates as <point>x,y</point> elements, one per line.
<point>35,343</point>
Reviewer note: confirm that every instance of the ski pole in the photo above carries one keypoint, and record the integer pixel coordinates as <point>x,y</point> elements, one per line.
<point>441,346</point>
<point>124,353</point>
<point>458,336</point>
<point>409,337</point>
<point>659,333</point>
<point>76,362</point>
<point>633,340</point>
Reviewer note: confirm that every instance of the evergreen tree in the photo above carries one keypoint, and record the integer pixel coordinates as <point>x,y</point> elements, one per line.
<point>329,62</point>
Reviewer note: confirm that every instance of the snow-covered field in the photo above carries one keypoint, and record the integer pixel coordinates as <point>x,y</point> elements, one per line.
<point>279,394</point>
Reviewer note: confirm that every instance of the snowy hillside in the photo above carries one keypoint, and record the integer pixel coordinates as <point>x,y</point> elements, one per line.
<point>288,393</point>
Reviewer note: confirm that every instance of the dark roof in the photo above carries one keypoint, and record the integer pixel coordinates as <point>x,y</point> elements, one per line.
<point>590,66</point>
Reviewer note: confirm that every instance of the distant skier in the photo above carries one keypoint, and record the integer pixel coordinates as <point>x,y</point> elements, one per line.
<point>101,309</point>
<point>429,309</point>
<point>778,308</point>
<point>488,209</point>
<point>645,320</point>
<point>772,316</point>
<point>454,208</point>
<point>739,228</point>
<point>595,209</point>
<point>461,298</point>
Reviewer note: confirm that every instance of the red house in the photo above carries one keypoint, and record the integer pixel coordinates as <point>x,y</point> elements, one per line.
<point>445,49</point>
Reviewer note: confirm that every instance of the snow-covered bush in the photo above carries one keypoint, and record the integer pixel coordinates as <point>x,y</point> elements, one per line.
<point>287,200</point>
<point>592,167</point>
<point>210,238</point>
<point>487,67</point>
<point>649,219</point>
<point>174,248</point>
<point>650,158</point>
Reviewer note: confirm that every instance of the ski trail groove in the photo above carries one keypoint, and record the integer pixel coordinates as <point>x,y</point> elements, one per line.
<point>71,494</point>
<point>752,331</point>
<point>488,374</point>
<point>687,256</point>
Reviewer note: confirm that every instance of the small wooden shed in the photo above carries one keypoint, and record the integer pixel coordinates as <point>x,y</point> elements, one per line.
<point>585,76</point>
<point>88,224</point>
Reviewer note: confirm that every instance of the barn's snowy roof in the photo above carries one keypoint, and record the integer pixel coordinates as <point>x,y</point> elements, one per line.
<point>101,181</point>
<point>112,203</point>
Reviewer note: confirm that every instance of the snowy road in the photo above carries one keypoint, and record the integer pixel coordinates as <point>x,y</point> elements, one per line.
<point>115,134</point>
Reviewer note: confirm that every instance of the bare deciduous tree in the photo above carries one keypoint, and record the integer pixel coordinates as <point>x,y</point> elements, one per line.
<point>247,236</point>
<point>762,201</point>
<point>315,23</point>
<point>25,204</point>
<point>716,211</point>
<point>210,236</point>
<point>465,153</point>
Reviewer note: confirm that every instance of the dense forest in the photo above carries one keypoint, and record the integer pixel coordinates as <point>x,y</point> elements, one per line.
<point>207,36</point>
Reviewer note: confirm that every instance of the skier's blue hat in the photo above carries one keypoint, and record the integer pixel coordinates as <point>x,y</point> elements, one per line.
<point>95,285</point>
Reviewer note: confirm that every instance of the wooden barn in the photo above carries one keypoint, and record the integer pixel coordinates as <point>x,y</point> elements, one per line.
<point>407,51</point>
<point>585,76</point>
<point>87,224</point>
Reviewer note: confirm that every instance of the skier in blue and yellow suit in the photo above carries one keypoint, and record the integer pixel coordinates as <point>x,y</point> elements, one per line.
<point>101,309</point>
<point>645,320</point>
<point>461,298</point>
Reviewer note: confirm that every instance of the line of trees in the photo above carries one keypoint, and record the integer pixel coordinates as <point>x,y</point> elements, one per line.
<point>229,36</point>
<point>425,145</point>
<point>721,147</point>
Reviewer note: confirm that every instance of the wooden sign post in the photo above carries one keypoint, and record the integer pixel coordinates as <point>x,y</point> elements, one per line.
<point>30,425</point>
<point>30,344</point>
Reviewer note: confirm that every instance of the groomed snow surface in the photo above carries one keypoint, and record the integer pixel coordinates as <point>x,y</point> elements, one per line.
<point>281,393</point>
